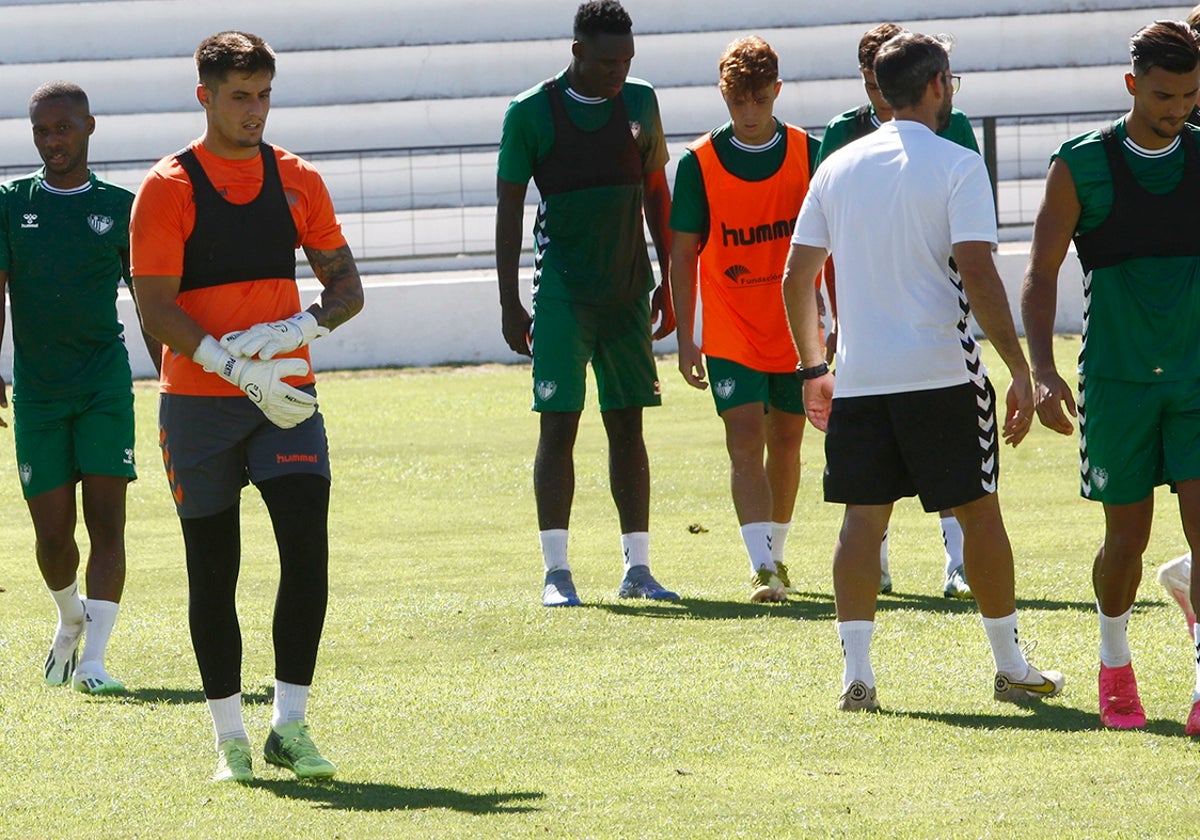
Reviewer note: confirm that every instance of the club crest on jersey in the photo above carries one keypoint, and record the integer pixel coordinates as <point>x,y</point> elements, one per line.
<point>545,388</point>
<point>30,220</point>
<point>1099,477</point>
<point>100,224</point>
<point>26,472</point>
<point>635,128</point>
<point>725,388</point>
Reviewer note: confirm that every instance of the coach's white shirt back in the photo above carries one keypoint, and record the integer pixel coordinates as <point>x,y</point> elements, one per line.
<point>888,207</point>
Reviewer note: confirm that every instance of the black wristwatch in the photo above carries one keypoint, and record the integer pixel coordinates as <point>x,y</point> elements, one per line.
<point>812,372</point>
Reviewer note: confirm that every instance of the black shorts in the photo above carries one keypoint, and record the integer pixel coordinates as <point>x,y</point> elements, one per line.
<point>940,445</point>
<point>213,446</point>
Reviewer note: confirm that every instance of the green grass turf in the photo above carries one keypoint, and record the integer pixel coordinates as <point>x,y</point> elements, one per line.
<point>456,706</point>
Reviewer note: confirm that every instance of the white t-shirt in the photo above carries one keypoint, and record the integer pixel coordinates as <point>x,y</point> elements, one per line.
<point>888,207</point>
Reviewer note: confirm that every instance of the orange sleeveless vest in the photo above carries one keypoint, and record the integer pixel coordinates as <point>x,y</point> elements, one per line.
<point>750,227</point>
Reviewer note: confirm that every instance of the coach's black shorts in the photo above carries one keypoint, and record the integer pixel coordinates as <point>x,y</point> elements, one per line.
<point>940,445</point>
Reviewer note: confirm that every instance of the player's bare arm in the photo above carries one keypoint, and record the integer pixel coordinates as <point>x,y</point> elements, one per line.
<point>990,307</point>
<point>803,263</point>
<point>163,318</point>
<point>3,384</point>
<point>510,215</point>
<point>153,345</point>
<point>685,249</point>
<point>342,296</point>
<point>656,201</point>
<point>1055,225</point>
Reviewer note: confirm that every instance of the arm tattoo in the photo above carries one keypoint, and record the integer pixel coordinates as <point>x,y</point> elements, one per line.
<point>342,297</point>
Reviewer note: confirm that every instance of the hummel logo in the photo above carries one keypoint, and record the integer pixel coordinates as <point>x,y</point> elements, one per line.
<point>30,220</point>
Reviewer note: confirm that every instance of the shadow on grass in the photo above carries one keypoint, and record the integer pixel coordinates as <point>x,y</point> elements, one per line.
<point>819,605</point>
<point>350,796</point>
<point>939,603</point>
<point>705,610</point>
<point>1048,717</point>
<point>182,696</point>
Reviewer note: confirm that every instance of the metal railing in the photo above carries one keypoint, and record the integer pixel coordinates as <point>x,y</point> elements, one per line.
<point>422,208</point>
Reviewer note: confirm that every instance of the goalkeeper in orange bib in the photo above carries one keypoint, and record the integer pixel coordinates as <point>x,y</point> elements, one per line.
<point>214,235</point>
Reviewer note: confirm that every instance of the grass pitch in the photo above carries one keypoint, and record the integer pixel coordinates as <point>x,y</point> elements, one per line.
<point>456,706</point>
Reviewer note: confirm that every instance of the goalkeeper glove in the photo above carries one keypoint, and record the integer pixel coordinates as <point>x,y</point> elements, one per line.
<point>262,382</point>
<point>270,338</point>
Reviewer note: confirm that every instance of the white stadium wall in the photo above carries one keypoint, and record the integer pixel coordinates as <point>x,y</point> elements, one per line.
<point>456,320</point>
<point>388,74</point>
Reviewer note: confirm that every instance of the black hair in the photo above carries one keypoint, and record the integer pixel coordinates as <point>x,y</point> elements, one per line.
<point>59,90</point>
<point>601,17</point>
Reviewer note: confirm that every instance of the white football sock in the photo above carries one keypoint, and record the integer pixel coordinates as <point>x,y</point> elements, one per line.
<point>856,651</point>
<point>70,605</point>
<point>1114,639</point>
<point>952,539</point>
<point>227,718</point>
<point>101,617</point>
<point>757,537</point>
<point>291,702</point>
<point>636,548</point>
<point>779,535</point>
<point>554,548</point>
<point>1006,648</point>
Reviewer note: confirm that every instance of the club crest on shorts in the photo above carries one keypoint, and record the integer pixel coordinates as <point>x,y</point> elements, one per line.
<point>26,473</point>
<point>725,388</point>
<point>129,457</point>
<point>1099,477</point>
<point>100,224</point>
<point>545,388</point>
<point>635,128</point>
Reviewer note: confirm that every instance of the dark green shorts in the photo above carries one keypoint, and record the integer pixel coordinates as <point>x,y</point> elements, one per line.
<point>1134,436</point>
<point>58,441</point>
<point>615,339</point>
<point>734,384</point>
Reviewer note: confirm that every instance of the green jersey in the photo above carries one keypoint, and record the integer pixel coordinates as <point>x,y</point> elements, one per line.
<point>590,243</point>
<point>847,127</point>
<point>63,251</point>
<point>689,202</point>
<point>1142,321</point>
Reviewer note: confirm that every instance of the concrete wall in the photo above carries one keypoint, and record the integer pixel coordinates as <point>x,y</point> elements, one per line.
<point>455,319</point>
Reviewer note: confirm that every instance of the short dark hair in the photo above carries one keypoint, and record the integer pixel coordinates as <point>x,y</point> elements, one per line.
<point>1169,44</point>
<point>748,65</point>
<point>872,40</point>
<point>59,90</point>
<point>232,52</point>
<point>602,17</point>
<point>905,65</point>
